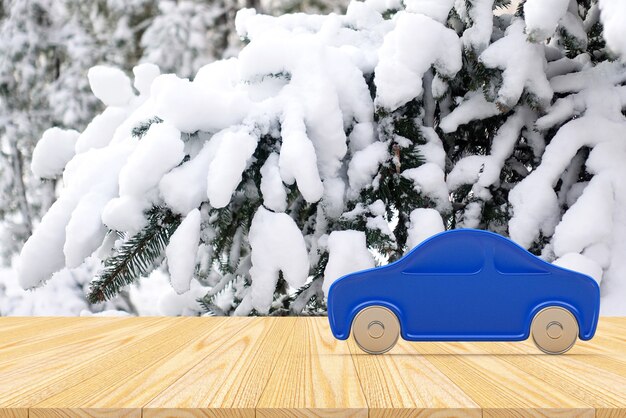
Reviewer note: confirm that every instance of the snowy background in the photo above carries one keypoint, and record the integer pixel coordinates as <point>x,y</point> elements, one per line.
<point>186,158</point>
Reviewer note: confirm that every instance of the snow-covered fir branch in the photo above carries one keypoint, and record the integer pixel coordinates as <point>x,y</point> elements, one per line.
<point>331,143</point>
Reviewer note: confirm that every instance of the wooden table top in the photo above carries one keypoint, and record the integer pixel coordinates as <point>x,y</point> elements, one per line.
<point>292,367</point>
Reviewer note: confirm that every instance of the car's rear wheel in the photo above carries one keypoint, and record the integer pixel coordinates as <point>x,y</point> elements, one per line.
<point>554,330</point>
<point>376,329</point>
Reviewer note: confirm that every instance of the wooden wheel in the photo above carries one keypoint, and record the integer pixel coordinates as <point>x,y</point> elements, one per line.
<point>554,330</point>
<point>376,329</point>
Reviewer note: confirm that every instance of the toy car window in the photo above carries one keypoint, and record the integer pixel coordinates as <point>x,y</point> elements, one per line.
<point>447,256</point>
<point>509,259</point>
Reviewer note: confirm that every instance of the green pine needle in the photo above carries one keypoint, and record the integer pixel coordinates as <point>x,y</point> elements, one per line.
<point>136,256</point>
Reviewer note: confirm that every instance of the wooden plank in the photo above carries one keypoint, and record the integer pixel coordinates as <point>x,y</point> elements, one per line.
<point>18,360</point>
<point>499,388</point>
<point>610,337</point>
<point>13,412</point>
<point>57,339</point>
<point>617,320</point>
<point>315,377</point>
<point>134,382</point>
<point>405,384</point>
<point>25,328</point>
<point>198,413</point>
<point>285,367</point>
<point>43,328</point>
<point>77,397</point>
<point>609,413</point>
<point>596,379</point>
<point>229,381</point>
<point>32,382</point>
<point>85,413</point>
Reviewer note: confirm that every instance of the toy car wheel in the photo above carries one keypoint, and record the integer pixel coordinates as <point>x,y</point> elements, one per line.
<point>376,329</point>
<point>554,330</point>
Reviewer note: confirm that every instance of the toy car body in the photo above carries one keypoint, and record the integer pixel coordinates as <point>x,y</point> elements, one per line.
<point>465,285</point>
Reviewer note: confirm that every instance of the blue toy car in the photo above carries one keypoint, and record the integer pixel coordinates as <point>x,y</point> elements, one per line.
<point>465,285</point>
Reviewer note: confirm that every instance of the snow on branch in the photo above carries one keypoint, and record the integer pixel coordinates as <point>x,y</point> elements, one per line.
<point>331,143</point>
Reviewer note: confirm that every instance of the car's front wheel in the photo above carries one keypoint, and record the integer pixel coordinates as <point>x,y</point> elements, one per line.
<point>554,330</point>
<point>376,329</point>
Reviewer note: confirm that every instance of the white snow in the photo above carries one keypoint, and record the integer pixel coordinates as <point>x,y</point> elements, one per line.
<point>365,163</point>
<point>428,179</point>
<point>589,220</point>
<point>181,252</point>
<point>573,26</point>
<point>466,171</point>
<point>471,215</point>
<point>483,171</point>
<point>160,150</point>
<point>299,86</point>
<point>581,264</point>
<point>62,296</point>
<point>378,222</point>
<point>399,71</point>
<point>424,223</point>
<point>110,85</point>
<point>196,105</point>
<point>272,188</point>
<point>563,109</point>
<point>435,9</point>
<point>42,254</point>
<point>125,213</point>
<point>334,197</point>
<point>276,245</point>
<point>84,231</point>
<point>298,160</point>
<point>474,106</point>
<point>523,64</point>
<point>185,187</point>
<point>53,151</point>
<point>432,150</point>
<point>534,201</point>
<point>144,76</point>
<point>613,15</point>
<point>543,16</point>
<point>92,171</point>
<point>478,35</point>
<point>363,15</point>
<point>110,313</point>
<point>154,296</point>
<point>361,136</point>
<point>231,158</point>
<point>347,253</point>
<point>535,205</point>
<point>100,130</point>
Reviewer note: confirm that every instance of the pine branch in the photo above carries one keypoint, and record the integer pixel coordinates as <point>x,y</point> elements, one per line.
<point>136,256</point>
<point>140,130</point>
<point>208,301</point>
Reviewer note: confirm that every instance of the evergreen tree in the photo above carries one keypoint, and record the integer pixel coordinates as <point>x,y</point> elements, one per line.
<point>48,48</point>
<point>334,142</point>
<point>27,63</point>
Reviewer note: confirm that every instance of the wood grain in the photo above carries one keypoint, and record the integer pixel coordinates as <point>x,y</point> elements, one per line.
<point>499,387</point>
<point>78,333</point>
<point>29,381</point>
<point>422,391</point>
<point>86,395</point>
<point>292,367</point>
<point>13,412</point>
<point>314,377</point>
<point>229,382</point>
<point>86,413</point>
<point>597,380</point>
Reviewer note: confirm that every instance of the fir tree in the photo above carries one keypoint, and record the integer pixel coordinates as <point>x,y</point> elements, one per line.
<point>331,139</point>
